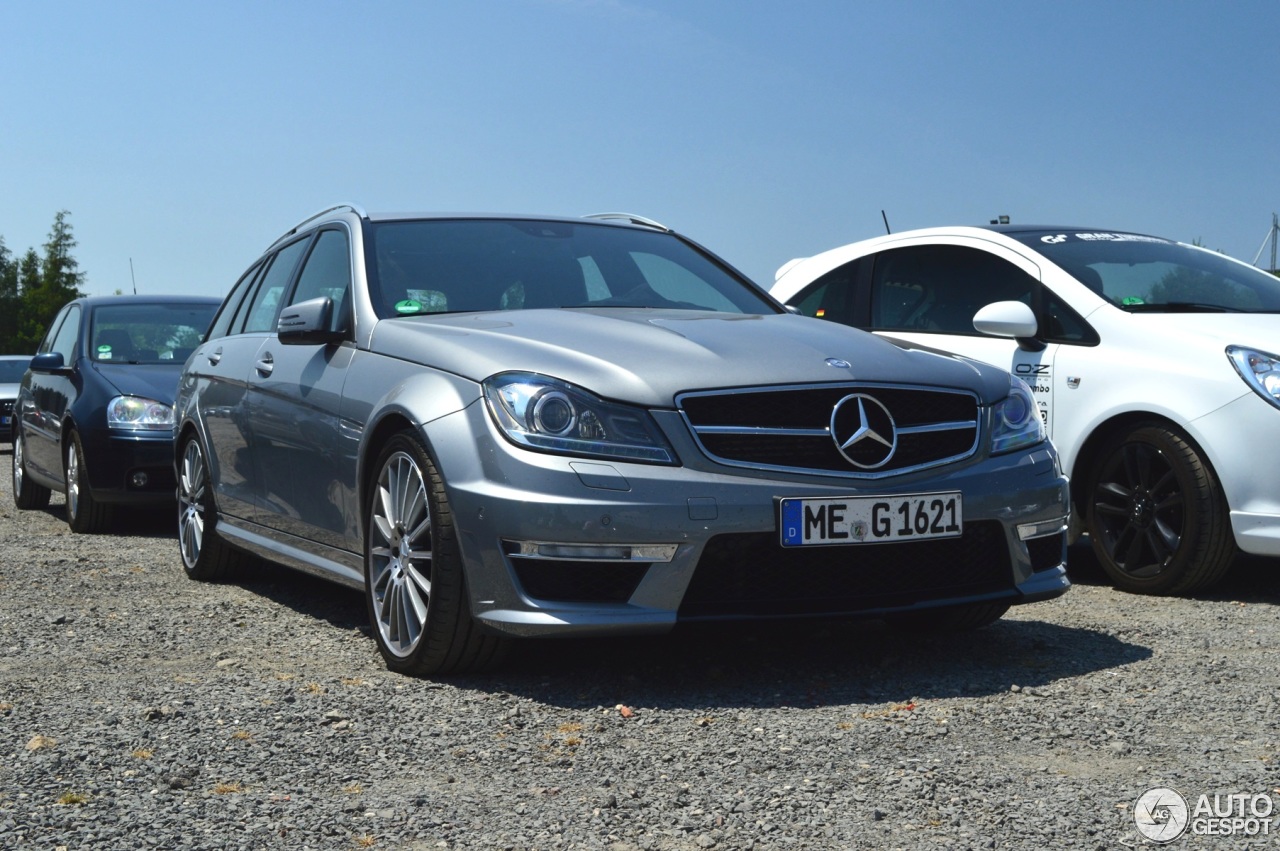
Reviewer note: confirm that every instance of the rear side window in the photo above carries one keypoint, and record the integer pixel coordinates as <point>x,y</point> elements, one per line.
<point>266,302</point>
<point>232,303</point>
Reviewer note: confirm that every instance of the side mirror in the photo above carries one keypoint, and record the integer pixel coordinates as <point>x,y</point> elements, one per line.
<point>1009,319</point>
<point>49,362</point>
<point>308,323</point>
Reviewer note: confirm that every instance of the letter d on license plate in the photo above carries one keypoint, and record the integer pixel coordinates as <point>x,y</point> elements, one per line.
<point>870,519</point>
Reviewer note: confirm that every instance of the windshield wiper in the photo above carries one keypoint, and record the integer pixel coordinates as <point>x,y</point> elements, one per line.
<point>1179,307</point>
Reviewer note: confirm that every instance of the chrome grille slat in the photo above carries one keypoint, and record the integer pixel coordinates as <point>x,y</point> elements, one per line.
<point>789,428</point>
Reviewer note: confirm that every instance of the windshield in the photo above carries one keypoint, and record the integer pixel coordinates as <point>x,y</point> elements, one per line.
<point>148,333</point>
<point>451,266</point>
<point>1148,274</point>
<point>12,369</point>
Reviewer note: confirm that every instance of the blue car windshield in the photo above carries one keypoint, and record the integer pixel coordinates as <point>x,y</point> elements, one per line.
<point>1145,274</point>
<point>457,265</point>
<point>147,333</point>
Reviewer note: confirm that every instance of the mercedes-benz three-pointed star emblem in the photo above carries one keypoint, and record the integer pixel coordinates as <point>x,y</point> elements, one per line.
<point>864,431</point>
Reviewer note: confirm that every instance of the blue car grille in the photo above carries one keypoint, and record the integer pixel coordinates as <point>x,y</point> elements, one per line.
<point>789,428</point>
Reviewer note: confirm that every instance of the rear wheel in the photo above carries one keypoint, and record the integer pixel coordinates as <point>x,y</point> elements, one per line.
<point>84,513</point>
<point>26,493</point>
<point>205,557</point>
<point>1157,517</point>
<point>415,585</point>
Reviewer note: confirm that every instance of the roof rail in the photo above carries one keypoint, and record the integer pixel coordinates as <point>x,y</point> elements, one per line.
<point>629,217</point>
<point>355,208</point>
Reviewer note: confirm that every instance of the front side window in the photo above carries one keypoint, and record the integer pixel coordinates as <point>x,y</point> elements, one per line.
<point>327,273</point>
<point>940,287</point>
<point>832,296</point>
<point>64,343</point>
<point>450,266</point>
<point>147,333</point>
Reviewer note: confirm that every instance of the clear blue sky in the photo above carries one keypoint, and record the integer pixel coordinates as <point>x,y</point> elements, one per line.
<point>187,136</point>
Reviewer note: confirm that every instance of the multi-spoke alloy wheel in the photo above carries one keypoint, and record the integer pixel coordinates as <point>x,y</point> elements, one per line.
<point>1156,515</point>
<point>26,493</point>
<point>84,512</point>
<point>204,555</point>
<point>414,581</point>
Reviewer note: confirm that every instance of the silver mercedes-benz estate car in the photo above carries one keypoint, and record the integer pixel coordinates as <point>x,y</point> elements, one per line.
<point>507,426</point>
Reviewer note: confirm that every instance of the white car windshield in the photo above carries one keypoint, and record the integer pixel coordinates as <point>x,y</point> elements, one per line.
<point>1147,274</point>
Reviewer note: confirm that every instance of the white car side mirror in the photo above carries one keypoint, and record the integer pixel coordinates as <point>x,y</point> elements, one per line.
<point>1006,319</point>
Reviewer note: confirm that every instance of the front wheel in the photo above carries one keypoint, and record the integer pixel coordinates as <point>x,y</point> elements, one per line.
<point>26,493</point>
<point>205,557</point>
<point>85,514</point>
<point>1156,515</point>
<point>415,585</point>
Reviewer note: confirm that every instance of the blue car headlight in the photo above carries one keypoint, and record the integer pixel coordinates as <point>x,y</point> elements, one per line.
<point>137,413</point>
<point>553,416</point>
<point>1261,371</point>
<point>1016,420</point>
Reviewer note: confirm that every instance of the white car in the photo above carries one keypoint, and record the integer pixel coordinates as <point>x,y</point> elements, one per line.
<point>1155,365</point>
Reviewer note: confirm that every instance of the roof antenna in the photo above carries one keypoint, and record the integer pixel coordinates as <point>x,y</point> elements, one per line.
<point>886,222</point>
<point>132,278</point>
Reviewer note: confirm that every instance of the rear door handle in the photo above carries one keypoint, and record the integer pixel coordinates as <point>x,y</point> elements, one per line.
<point>265,364</point>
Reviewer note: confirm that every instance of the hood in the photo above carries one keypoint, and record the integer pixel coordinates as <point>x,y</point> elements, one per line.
<point>647,357</point>
<point>154,381</point>
<point>1255,330</point>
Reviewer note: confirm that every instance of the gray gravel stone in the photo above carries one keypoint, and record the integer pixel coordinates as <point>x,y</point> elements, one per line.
<point>141,710</point>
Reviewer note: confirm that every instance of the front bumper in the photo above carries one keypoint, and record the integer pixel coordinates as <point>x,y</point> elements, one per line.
<point>130,468</point>
<point>714,530</point>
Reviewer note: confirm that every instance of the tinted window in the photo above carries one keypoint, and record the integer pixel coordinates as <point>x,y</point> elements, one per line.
<point>327,273</point>
<point>11,371</point>
<point>231,305</point>
<point>439,266</point>
<point>940,287</point>
<point>1144,273</point>
<point>147,333</point>
<point>266,302</point>
<point>832,296</point>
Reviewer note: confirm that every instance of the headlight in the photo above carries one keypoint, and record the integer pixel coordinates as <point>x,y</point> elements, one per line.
<point>541,413</point>
<point>1259,370</point>
<point>137,413</point>
<point>1016,419</point>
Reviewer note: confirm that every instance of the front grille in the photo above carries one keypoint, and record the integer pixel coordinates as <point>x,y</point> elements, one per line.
<point>1047,552</point>
<point>752,575</point>
<point>579,581</point>
<point>790,428</point>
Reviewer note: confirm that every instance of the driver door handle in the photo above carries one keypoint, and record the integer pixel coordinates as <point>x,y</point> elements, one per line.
<point>265,364</point>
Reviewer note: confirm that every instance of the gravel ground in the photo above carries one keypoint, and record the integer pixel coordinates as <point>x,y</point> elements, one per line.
<point>139,710</point>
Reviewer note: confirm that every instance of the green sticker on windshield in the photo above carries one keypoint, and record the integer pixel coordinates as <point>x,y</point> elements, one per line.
<point>1131,299</point>
<point>104,350</point>
<point>408,306</point>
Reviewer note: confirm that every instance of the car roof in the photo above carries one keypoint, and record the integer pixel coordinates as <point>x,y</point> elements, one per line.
<point>92,301</point>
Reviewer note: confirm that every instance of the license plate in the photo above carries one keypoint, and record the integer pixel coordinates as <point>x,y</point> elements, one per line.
<point>871,519</point>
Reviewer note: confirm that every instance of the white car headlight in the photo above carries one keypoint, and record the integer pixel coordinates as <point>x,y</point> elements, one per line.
<point>1261,371</point>
<point>139,414</point>
<point>553,416</point>
<point>1016,419</point>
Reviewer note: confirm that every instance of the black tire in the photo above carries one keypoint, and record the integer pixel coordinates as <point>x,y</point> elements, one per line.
<point>85,514</point>
<point>26,493</point>
<point>415,585</point>
<point>1156,515</point>
<point>205,556</point>
<point>963,618</point>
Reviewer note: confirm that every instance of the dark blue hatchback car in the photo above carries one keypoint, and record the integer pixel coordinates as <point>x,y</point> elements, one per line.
<point>94,413</point>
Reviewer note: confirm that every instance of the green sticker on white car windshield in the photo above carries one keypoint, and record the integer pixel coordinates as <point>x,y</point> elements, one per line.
<point>408,306</point>
<point>1132,299</point>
